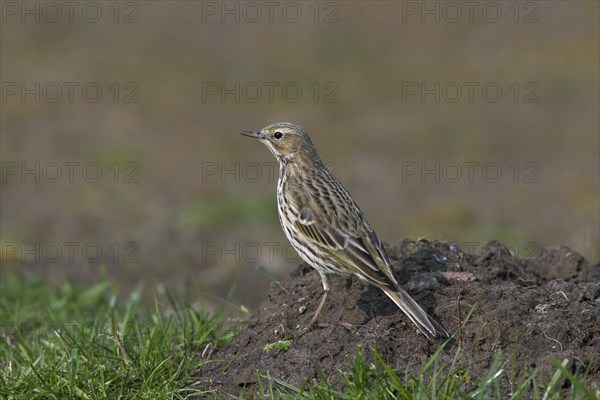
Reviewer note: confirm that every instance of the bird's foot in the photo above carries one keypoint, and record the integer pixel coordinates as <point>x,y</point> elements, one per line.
<point>320,325</point>
<point>347,325</point>
<point>311,325</point>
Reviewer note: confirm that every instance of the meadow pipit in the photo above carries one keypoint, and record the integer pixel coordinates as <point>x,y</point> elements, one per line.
<point>326,227</point>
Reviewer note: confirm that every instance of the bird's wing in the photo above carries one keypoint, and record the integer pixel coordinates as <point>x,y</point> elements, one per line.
<point>341,231</point>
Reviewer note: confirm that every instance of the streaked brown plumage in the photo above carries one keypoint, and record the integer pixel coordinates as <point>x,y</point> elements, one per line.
<point>326,227</point>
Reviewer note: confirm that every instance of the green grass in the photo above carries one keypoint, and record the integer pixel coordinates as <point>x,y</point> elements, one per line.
<point>87,343</point>
<point>378,381</point>
<point>60,343</point>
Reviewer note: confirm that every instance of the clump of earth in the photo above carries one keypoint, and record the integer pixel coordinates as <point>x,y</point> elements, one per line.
<point>531,311</point>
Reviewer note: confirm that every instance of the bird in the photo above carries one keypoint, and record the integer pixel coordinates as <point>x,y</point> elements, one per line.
<point>327,228</point>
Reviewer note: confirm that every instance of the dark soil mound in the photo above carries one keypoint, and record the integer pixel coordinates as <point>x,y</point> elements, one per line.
<point>532,310</point>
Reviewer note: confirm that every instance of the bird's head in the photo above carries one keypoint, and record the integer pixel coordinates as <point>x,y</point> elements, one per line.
<point>287,141</point>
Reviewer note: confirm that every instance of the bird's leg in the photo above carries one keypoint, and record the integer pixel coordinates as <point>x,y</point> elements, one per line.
<point>315,317</point>
<point>313,321</point>
<point>340,319</point>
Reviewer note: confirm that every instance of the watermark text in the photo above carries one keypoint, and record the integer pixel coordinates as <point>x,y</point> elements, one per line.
<point>271,252</point>
<point>253,12</point>
<point>470,92</point>
<point>250,172</point>
<point>470,171</point>
<point>68,172</point>
<point>269,92</point>
<point>125,12</point>
<point>70,92</point>
<point>69,252</point>
<point>452,12</point>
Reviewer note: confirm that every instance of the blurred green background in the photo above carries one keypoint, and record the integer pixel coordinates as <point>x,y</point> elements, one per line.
<point>160,91</point>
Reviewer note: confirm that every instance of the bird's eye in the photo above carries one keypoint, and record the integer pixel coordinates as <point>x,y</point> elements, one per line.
<point>278,135</point>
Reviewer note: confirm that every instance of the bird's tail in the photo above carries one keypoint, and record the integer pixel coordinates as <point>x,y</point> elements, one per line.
<point>427,325</point>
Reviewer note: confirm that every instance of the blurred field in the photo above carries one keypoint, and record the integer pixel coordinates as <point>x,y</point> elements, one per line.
<point>184,201</point>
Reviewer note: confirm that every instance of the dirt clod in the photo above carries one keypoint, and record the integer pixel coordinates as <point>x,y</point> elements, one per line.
<point>533,310</point>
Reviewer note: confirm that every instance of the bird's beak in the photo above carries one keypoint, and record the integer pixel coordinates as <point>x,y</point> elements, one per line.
<point>253,134</point>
